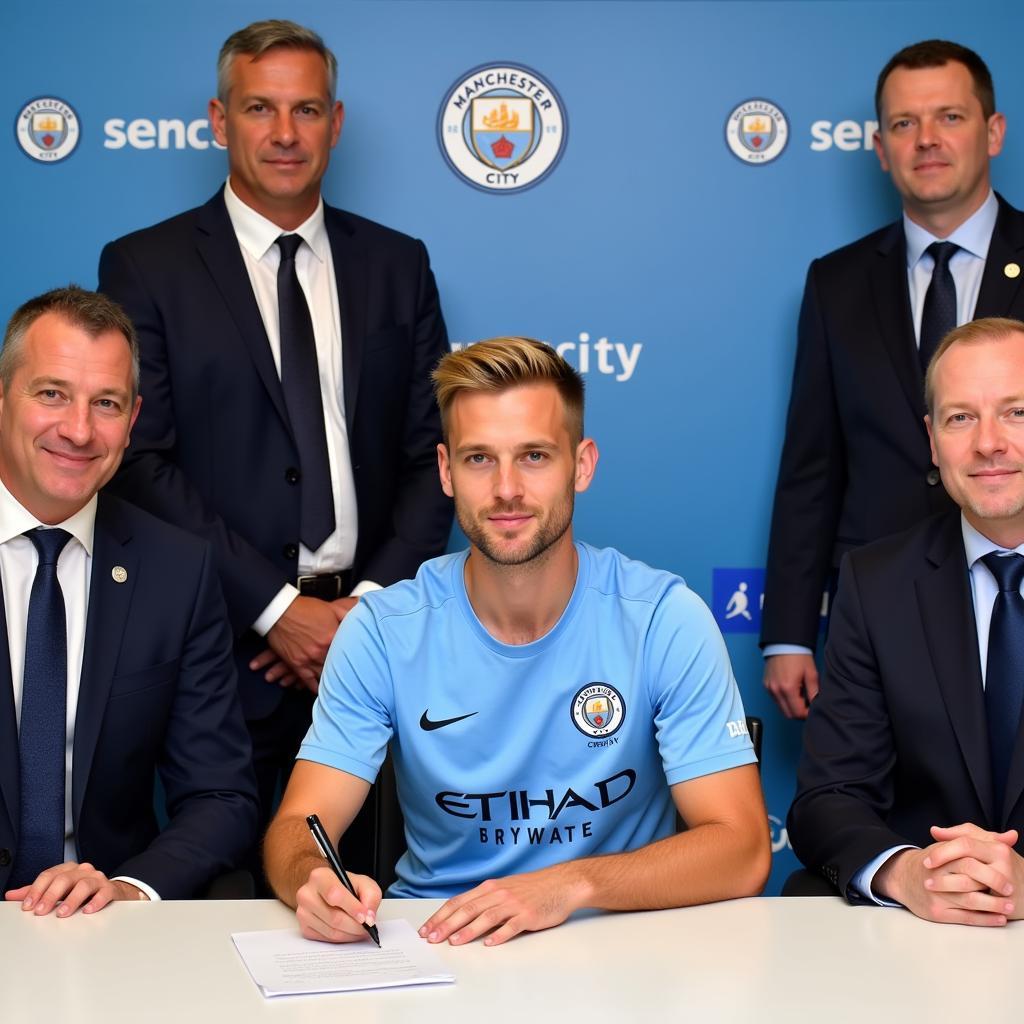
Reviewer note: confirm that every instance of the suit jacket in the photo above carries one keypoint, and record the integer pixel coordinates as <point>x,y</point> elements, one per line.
<point>897,739</point>
<point>855,464</point>
<point>157,694</point>
<point>213,451</point>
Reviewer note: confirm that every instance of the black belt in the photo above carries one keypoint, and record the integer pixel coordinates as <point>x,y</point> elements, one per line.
<point>326,585</point>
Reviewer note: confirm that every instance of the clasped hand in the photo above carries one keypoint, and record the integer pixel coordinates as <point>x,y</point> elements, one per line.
<point>967,876</point>
<point>299,640</point>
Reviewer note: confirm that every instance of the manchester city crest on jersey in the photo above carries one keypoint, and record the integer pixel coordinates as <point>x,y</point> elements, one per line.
<point>502,127</point>
<point>47,129</point>
<point>757,132</point>
<point>598,710</point>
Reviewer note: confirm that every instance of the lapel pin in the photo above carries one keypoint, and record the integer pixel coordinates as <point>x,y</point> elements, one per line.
<point>1012,270</point>
<point>119,573</point>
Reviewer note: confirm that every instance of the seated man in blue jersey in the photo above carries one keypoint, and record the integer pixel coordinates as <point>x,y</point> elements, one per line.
<point>549,705</point>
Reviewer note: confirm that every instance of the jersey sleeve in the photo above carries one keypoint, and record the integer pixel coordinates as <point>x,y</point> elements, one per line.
<point>354,711</point>
<point>699,721</point>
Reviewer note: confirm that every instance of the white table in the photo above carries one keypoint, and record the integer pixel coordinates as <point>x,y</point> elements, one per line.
<point>786,960</point>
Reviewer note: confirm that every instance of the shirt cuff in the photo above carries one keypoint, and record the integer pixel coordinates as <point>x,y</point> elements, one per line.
<point>277,607</point>
<point>770,650</point>
<point>148,890</point>
<point>364,587</point>
<point>861,881</point>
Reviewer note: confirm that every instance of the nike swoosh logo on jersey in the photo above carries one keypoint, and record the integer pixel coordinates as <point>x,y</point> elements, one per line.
<point>429,726</point>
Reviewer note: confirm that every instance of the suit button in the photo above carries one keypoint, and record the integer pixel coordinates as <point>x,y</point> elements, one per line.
<point>292,475</point>
<point>5,858</point>
<point>291,551</point>
<point>933,477</point>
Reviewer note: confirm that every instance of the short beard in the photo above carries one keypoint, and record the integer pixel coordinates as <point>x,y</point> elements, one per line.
<point>551,531</point>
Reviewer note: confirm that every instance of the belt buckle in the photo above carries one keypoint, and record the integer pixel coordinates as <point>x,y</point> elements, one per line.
<point>318,584</point>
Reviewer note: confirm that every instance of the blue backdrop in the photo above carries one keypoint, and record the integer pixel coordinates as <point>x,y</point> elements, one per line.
<point>648,233</point>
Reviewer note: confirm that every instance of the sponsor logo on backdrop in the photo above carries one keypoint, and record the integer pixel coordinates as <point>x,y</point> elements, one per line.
<point>849,136</point>
<point>780,837</point>
<point>163,133</point>
<point>47,129</point>
<point>737,600</point>
<point>757,132</point>
<point>502,127</point>
<point>617,359</point>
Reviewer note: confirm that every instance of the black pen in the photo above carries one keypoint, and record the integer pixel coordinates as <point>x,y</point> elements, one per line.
<point>326,848</point>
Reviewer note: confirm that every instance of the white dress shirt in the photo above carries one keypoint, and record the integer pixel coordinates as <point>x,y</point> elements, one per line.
<point>18,562</point>
<point>984,590</point>
<point>967,267</point>
<point>315,270</point>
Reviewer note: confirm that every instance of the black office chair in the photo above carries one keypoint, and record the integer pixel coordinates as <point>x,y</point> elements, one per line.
<point>808,883</point>
<point>375,840</point>
<point>755,728</point>
<point>233,885</point>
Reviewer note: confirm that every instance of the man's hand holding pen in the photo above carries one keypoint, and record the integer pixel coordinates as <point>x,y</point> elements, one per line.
<point>326,910</point>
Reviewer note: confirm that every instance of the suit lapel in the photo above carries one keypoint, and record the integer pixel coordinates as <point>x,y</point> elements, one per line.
<point>998,292</point>
<point>10,772</point>
<point>350,277</point>
<point>218,248</point>
<point>109,602</point>
<point>947,614</point>
<point>888,276</point>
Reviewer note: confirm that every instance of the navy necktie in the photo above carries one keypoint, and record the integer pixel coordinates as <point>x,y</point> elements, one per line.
<point>938,317</point>
<point>41,733</point>
<point>1004,673</point>
<point>300,381</point>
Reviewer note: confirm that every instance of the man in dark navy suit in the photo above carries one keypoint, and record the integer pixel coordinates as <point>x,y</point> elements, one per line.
<point>115,651</point>
<point>911,784</point>
<point>286,353</point>
<point>855,463</point>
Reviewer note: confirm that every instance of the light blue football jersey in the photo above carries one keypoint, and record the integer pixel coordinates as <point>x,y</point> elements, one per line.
<point>511,758</point>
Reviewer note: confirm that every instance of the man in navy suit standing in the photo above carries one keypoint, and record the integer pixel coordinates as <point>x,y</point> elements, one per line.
<point>286,353</point>
<point>855,464</point>
<point>115,651</point>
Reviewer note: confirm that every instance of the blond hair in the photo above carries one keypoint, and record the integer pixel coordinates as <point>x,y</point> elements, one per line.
<point>499,364</point>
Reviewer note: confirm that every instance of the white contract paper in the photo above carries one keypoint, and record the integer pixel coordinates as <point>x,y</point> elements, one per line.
<point>283,963</point>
